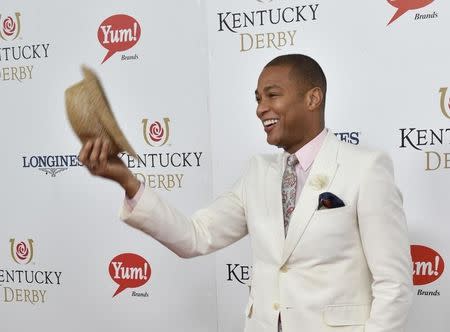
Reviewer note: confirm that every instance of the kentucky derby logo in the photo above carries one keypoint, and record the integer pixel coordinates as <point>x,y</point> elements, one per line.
<point>10,27</point>
<point>156,134</point>
<point>22,253</point>
<point>445,104</point>
<point>405,5</point>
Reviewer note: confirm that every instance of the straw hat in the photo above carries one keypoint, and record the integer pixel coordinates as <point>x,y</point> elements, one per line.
<point>90,115</point>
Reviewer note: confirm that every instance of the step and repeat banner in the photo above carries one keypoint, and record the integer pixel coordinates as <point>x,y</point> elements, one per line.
<point>67,263</point>
<point>388,71</point>
<point>180,77</point>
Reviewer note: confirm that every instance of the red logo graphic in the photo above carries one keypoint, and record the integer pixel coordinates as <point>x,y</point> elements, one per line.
<point>129,271</point>
<point>428,265</point>
<point>404,5</point>
<point>118,33</point>
<point>9,26</point>
<point>156,131</point>
<point>22,251</point>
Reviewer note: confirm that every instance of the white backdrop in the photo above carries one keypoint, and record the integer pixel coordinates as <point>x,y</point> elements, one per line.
<point>197,63</point>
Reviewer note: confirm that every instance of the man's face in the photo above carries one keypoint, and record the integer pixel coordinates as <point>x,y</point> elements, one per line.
<point>283,109</point>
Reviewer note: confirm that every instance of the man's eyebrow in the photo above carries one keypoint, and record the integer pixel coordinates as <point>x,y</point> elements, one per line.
<point>268,87</point>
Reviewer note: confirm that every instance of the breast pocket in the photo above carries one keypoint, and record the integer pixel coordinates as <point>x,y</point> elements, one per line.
<point>335,221</point>
<point>332,232</point>
<point>334,212</point>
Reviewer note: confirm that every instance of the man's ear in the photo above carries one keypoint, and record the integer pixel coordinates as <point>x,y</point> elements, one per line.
<point>314,98</point>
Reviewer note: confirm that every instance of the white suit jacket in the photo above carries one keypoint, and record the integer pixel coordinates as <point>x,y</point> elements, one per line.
<point>345,269</point>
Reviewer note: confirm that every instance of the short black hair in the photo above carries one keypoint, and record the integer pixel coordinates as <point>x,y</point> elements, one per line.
<point>304,69</point>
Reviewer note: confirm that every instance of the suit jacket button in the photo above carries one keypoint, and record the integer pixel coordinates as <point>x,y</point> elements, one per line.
<point>276,306</point>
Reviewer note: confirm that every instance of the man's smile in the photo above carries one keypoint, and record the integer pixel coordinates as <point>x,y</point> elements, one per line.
<point>269,124</point>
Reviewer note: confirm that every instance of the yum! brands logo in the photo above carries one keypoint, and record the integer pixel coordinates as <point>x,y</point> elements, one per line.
<point>129,271</point>
<point>10,27</point>
<point>404,6</point>
<point>154,133</point>
<point>22,252</point>
<point>118,33</point>
<point>428,265</point>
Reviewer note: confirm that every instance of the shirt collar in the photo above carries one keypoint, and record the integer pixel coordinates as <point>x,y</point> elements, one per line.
<point>309,151</point>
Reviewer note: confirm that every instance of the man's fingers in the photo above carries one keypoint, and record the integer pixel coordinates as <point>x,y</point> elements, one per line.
<point>104,154</point>
<point>85,152</point>
<point>95,153</point>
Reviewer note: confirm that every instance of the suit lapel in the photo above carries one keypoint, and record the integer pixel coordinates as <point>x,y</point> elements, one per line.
<point>273,199</point>
<point>319,180</point>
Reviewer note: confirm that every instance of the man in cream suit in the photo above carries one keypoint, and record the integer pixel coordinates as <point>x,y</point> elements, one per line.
<point>321,266</point>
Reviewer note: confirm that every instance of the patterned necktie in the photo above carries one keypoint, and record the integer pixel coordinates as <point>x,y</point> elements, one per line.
<point>289,190</point>
<point>288,196</point>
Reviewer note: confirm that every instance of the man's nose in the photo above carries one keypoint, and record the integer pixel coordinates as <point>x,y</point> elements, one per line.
<point>261,109</point>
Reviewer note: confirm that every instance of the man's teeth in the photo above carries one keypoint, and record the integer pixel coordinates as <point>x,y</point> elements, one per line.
<point>269,122</point>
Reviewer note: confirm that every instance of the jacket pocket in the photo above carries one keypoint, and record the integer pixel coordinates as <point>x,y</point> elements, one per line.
<point>340,210</point>
<point>346,315</point>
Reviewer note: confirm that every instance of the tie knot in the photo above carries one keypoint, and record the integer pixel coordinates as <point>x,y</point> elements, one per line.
<point>292,160</point>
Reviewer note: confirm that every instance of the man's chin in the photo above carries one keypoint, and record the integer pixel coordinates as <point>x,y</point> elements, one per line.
<point>270,141</point>
<point>274,142</point>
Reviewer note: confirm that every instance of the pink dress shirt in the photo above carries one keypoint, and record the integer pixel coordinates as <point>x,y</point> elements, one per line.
<point>306,156</point>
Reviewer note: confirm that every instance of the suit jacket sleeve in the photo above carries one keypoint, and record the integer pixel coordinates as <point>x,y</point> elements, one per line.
<point>386,246</point>
<point>209,229</point>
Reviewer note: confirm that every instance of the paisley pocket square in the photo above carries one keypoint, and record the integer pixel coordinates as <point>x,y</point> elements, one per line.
<point>329,200</point>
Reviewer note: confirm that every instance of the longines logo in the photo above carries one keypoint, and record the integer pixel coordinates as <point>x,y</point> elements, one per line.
<point>10,31</point>
<point>154,133</point>
<point>51,164</point>
<point>119,33</point>
<point>236,22</point>
<point>10,27</point>
<point>25,285</point>
<point>422,138</point>
<point>404,6</point>
<point>352,137</point>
